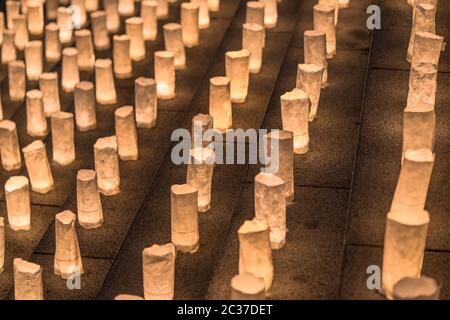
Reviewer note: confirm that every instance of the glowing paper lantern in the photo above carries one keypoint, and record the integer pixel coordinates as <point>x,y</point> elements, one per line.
<point>422,288</point>
<point>174,43</point>
<point>315,51</point>
<point>8,47</point>
<point>427,48</point>
<point>123,68</point>
<point>332,3</point>
<point>200,124</point>
<point>126,133</point>
<point>21,32</point>
<point>270,13</point>
<point>237,65</point>
<point>162,11</point>
<point>85,47</point>
<point>2,244</point>
<point>309,79</point>
<point>253,42</point>
<point>184,217</point>
<point>419,126</point>
<point>150,19</point>
<point>17,194</point>
<point>107,165</point>
<point>255,13</point>
<point>89,205</point>
<point>255,254</point>
<point>99,30</point>
<point>134,30</point>
<point>9,146</point>
<point>91,5</point>
<point>126,8</point>
<point>64,21</point>
<point>247,287</point>
<point>404,247</point>
<point>165,74</point>
<point>189,24</point>
<point>12,10</point>
<point>80,17</point>
<point>146,102</point>
<point>424,20</point>
<point>270,205</point>
<point>35,17</point>
<point>38,167</point>
<point>33,59</point>
<point>413,181</point>
<point>63,138</point>
<point>70,72</point>
<point>27,280</point>
<point>36,120</point>
<point>282,158</point>
<point>220,107</point>
<point>105,90</point>
<point>16,80</point>
<point>158,264</point>
<point>67,253</point>
<point>52,43</point>
<point>84,98</point>
<point>324,21</point>
<point>422,86</point>
<point>48,84</point>
<point>203,14</point>
<point>112,15</point>
<point>200,174</point>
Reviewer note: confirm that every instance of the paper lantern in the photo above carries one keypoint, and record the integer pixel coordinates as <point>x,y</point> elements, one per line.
<point>165,74</point>
<point>126,8</point>
<point>107,165</point>
<point>67,253</point>
<point>189,24</point>
<point>324,21</point>
<point>38,167</point>
<point>424,20</point>
<point>253,42</point>
<point>309,79</point>
<point>33,59</point>
<point>200,174</point>
<point>413,181</point>
<point>247,287</point>
<point>52,43</point>
<point>315,51</point>
<point>16,80</point>
<point>112,15</point>
<point>419,126</point>
<point>36,120</point>
<point>270,13</point>
<point>35,17</point>
<point>255,254</point>
<point>146,102</point>
<point>332,3</point>
<point>84,99</point>
<point>48,85</point>
<point>89,205</point>
<point>423,288</point>
<point>404,247</point>
<point>9,146</point>
<point>80,18</point>
<point>123,68</point>
<point>237,65</point>
<point>255,13</point>
<point>200,124</point>
<point>427,48</point>
<point>9,53</point>
<point>99,30</point>
<point>64,22</point>
<point>126,133</point>
<point>220,107</point>
<point>105,90</point>
<point>162,10</point>
<point>70,71</point>
<point>2,244</point>
<point>150,19</point>
<point>91,5</point>
<point>17,194</point>
<point>158,264</point>
<point>21,37</point>
<point>85,47</point>
<point>134,30</point>
<point>12,10</point>
<point>63,138</point>
<point>27,280</point>
<point>184,217</point>
<point>174,43</point>
<point>422,86</point>
<point>203,14</point>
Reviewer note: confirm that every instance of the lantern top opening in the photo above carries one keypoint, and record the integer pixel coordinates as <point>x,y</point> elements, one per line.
<point>71,51</point>
<point>248,283</point>
<point>164,54</point>
<point>420,155</point>
<point>410,217</point>
<point>324,7</point>
<point>158,250</point>
<point>253,226</point>
<point>316,33</point>
<point>15,183</point>
<point>106,142</point>
<point>103,63</point>
<point>309,67</point>
<point>85,85</point>
<point>202,155</point>
<point>238,54</point>
<point>296,94</point>
<point>52,26</point>
<point>220,81</point>
<point>66,217</point>
<point>182,189</point>
<point>281,135</point>
<point>172,26</point>
<point>124,112</point>
<point>7,125</point>
<point>269,179</point>
<point>143,81</point>
<point>62,115</point>
<point>134,20</point>
<point>48,76</point>
<point>26,267</point>
<point>34,94</point>
<point>253,26</point>
<point>86,175</point>
<point>35,145</point>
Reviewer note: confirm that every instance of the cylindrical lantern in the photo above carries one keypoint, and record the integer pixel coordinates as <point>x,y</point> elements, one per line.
<point>79,15</point>
<point>70,72</point>
<point>270,205</point>
<point>64,21</point>
<point>237,65</point>
<point>16,80</point>
<point>315,51</point>
<point>335,4</point>
<point>270,13</point>
<point>200,174</point>
<point>38,167</point>
<point>255,13</point>
<point>253,42</point>
<point>423,288</point>
<point>149,19</point>
<point>12,10</point>
<point>255,253</point>
<point>105,90</point>
<point>84,99</point>
<point>99,30</point>
<point>35,17</point>
<point>184,217</point>
<point>158,265</point>
<point>27,280</point>
<point>36,120</point>
<point>200,124</point>
<point>85,47</point>
<point>427,48</point>
<point>52,43</point>
<point>91,5</point>
<point>413,181</point>
<point>324,21</point>
<point>404,247</point>
<point>67,253</point>
<point>21,32</point>
<point>48,84</point>
<point>220,107</point>
<point>8,47</point>
<point>424,20</point>
<point>165,74</point>
<point>162,10</point>
<point>174,43</point>
<point>146,102</point>
<point>112,15</point>
<point>17,194</point>
<point>247,287</point>
<point>189,24</point>
<point>126,8</point>
<point>9,146</point>
<point>63,138</point>
<point>107,165</point>
<point>309,79</point>
<point>134,28</point>
<point>123,68</point>
<point>89,205</point>
<point>419,128</point>
<point>33,59</point>
<point>280,149</point>
<point>126,133</point>
<point>422,86</point>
